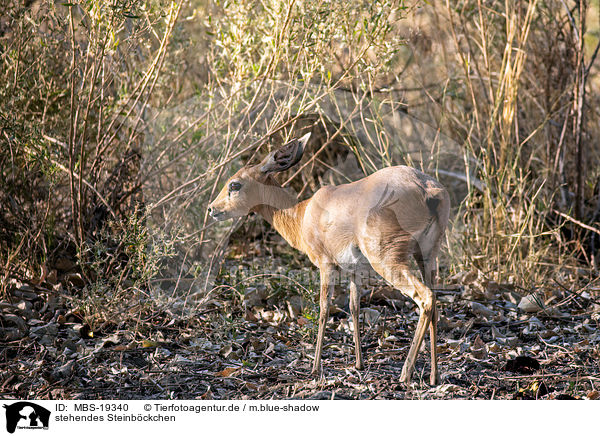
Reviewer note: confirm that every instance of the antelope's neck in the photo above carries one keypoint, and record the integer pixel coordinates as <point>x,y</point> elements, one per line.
<point>287,219</point>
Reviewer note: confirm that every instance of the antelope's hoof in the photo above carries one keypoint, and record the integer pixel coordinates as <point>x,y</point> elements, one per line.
<point>405,377</point>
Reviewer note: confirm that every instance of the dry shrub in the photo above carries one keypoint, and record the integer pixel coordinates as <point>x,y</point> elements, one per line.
<point>501,79</point>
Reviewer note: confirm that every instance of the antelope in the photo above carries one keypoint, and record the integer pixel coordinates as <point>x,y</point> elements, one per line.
<point>374,223</point>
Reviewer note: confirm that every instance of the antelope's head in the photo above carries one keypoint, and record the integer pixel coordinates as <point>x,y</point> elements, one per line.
<point>249,187</point>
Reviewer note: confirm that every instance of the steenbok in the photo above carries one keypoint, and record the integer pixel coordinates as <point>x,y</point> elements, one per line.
<point>372,223</point>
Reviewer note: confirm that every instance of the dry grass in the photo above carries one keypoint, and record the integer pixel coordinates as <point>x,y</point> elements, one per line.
<point>157,102</point>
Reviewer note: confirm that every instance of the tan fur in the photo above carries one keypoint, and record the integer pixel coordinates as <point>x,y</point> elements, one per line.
<point>379,221</point>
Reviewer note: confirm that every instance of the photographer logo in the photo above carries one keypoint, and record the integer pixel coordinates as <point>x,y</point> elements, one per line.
<point>25,415</point>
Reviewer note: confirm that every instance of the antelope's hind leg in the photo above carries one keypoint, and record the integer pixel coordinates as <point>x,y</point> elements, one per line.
<point>428,267</point>
<point>402,279</point>
<point>387,246</point>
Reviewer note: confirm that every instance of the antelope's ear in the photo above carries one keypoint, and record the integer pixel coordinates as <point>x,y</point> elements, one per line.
<point>284,157</point>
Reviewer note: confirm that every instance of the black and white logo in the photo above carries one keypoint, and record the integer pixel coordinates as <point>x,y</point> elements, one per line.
<point>26,415</point>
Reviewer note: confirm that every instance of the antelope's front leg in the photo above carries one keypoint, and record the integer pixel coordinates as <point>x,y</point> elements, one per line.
<point>354,312</point>
<point>324,299</point>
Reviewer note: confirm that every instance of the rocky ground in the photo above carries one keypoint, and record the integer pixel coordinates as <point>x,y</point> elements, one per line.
<point>496,341</point>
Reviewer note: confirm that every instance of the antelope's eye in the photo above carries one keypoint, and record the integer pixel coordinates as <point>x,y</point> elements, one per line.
<point>235,186</point>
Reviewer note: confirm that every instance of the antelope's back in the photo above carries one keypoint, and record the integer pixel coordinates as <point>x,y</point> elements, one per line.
<point>338,215</point>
